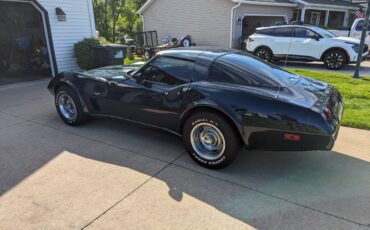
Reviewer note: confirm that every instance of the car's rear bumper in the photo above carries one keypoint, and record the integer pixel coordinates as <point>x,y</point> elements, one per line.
<point>319,133</point>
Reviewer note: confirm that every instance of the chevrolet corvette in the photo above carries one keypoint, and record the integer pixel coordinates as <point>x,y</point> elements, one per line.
<point>218,101</point>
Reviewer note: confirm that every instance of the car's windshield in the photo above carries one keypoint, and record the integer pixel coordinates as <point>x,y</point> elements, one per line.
<point>269,75</point>
<point>324,33</point>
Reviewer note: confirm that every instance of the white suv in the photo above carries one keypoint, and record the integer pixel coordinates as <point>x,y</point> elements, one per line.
<point>304,43</point>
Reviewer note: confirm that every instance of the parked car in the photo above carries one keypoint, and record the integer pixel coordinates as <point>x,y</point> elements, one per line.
<point>354,31</point>
<point>218,101</point>
<point>304,43</point>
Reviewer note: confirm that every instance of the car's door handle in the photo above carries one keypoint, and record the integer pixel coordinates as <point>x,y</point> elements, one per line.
<point>97,94</point>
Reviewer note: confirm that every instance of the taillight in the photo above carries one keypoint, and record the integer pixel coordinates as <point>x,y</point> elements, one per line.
<point>291,137</point>
<point>327,113</point>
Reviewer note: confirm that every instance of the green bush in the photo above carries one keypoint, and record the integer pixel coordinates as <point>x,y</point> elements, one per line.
<point>84,53</point>
<point>103,40</point>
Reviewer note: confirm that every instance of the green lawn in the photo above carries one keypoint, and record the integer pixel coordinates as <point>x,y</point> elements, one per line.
<point>356,94</point>
<point>129,62</point>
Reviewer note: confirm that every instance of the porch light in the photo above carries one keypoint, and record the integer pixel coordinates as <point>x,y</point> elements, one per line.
<point>61,15</point>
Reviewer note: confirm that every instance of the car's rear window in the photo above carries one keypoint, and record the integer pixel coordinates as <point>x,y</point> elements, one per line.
<point>242,68</point>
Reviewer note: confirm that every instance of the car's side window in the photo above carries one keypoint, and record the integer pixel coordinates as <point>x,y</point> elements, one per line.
<point>301,33</point>
<point>169,71</point>
<point>360,26</point>
<point>220,73</point>
<point>268,32</point>
<point>284,32</point>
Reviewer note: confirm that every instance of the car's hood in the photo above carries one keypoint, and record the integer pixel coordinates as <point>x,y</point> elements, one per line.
<point>113,72</point>
<point>348,39</point>
<point>306,92</point>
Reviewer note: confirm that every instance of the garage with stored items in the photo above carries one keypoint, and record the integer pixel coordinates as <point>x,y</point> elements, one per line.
<point>37,37</point>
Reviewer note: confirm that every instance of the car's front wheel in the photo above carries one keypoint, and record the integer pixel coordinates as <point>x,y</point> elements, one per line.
<point>69,107</point>
<point>264,54</point>
<point>335,60</point>
<point>211,140</point>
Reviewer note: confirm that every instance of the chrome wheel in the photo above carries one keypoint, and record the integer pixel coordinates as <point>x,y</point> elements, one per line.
<point>264,54</point>
<point>67,106</point>
<point>335,60</point>
<point>207,141</point>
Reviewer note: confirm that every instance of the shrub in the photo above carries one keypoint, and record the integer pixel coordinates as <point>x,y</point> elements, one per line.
<point>103,40</point>
<point>84,53</point>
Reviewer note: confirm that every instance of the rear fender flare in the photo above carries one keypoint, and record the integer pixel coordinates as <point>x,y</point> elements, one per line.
<point>232,116</point>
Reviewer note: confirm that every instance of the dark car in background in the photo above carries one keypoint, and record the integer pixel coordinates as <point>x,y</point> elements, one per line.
<point>218,101</point>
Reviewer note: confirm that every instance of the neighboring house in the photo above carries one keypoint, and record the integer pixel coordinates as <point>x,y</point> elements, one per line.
<point>226,23</point>
<point>53,24</point>
<point>330,13</point>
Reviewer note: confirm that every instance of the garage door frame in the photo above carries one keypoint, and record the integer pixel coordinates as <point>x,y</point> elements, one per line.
<point>47,31</point>
<point>264,15</point>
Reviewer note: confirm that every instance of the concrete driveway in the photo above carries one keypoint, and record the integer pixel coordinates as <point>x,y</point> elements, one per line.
<point>319,66</point>
<point>113,175</point>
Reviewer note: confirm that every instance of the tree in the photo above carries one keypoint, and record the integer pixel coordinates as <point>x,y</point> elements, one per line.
<point>115,17</point>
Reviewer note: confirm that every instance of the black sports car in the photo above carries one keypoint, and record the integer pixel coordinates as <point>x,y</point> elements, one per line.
<point>218,101</point>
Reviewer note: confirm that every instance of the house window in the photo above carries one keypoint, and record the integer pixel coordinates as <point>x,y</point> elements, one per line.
<point>315,18</point>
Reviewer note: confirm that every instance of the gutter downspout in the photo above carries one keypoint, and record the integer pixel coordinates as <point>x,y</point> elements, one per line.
<point>232,23</point>
<point>92,18</point>
<point>142,21</point>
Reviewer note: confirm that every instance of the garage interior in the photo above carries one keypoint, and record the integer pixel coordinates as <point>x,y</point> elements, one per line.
<point>250,23</point>
<point>24,54</point>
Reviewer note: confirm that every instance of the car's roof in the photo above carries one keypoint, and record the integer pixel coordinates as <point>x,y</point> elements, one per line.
<point>282,26</point>
<point>192,53</point>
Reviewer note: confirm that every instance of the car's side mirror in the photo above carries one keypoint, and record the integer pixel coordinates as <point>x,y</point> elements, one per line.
<point>315,37</point>
<point>139,77</point>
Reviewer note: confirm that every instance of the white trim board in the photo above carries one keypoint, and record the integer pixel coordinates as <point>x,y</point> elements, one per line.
<point>260,3</point>
<point>44,24</point>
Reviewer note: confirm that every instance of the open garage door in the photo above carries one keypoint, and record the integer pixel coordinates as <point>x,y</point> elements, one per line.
<point>251,22</point>
<point>25,51</point>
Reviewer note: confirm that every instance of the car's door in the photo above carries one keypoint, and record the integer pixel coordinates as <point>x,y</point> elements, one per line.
<point>304,44</point>
<point>156,94</point>
<point>282,40</point>
<point>95,86</point>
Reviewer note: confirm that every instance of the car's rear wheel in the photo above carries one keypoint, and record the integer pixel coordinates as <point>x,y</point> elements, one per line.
<point>69,107</point>
<point>211,140</point>
<point>264,54</point>
<point>335,60</point>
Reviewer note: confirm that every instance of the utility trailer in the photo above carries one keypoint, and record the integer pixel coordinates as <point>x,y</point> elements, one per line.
<point>147,44</point>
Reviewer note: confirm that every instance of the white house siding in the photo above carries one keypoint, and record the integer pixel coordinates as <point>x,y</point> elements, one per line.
<point>247,9</point>
<point>207,21</point>
<point>80,24</point>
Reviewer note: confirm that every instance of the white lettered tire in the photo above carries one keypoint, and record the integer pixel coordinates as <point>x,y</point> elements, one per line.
<point>69,106</point>
<point>211,140</point>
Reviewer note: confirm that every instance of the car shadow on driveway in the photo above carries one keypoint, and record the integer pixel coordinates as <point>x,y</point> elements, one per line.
<point>257,188</point>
